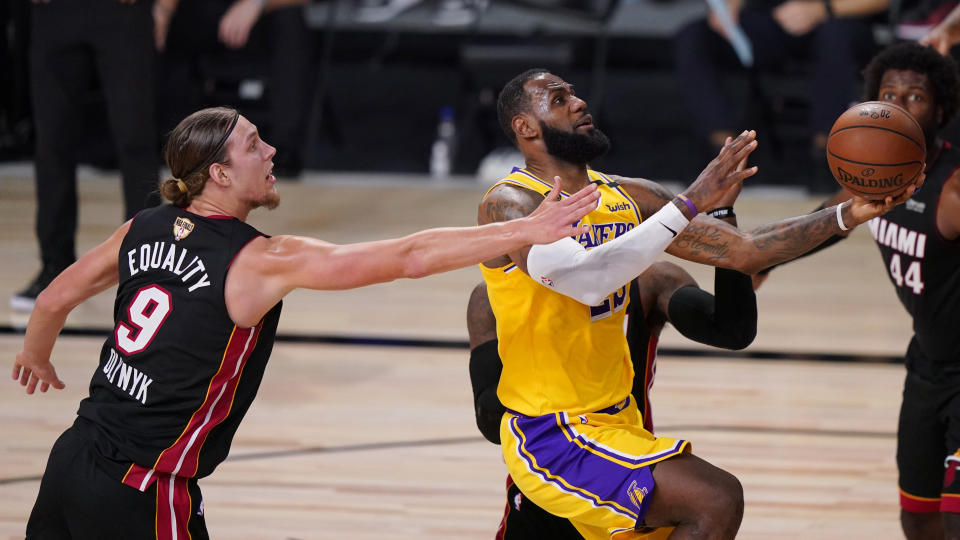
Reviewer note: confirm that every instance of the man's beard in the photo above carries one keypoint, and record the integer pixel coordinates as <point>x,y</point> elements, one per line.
<point>574,147</point>
<point>269,201</point>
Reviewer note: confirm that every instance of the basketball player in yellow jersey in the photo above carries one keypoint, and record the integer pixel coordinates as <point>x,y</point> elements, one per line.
<point>572,438</point>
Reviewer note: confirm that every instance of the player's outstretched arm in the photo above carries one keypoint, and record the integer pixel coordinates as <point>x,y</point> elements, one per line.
<point>709,241</point>
<point>590,276</point>
<point>841,196</point>
<point>269,268</point>
<point>91,274</point>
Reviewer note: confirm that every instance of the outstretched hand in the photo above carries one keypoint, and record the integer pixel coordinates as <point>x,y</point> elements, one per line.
<point>942,37</point>
<point>554,219</point>
<point>730,196</point>
<point>237,22</point>
<point>33,371</point>
<point>863,210</point>
<point>725,173</point>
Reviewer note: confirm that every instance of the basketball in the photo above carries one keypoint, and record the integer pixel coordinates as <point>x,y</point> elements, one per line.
<point>876,149</point>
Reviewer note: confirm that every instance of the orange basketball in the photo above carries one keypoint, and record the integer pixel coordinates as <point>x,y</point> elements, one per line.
<point>876,149</point>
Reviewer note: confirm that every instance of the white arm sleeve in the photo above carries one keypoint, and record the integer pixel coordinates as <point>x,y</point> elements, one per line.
<point>590,276</point>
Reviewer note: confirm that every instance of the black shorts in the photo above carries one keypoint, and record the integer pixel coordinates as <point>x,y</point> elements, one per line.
<point>524,520</point>
<point>79,500</point>
<point>928,440</point>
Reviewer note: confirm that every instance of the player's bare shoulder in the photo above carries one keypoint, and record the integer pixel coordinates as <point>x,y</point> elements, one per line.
<point>506,202</point>
<point>649,195</point>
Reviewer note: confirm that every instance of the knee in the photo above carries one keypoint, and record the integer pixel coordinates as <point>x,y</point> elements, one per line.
<point>732,498</point>
<point>921,525</point>
<point>724,510</point>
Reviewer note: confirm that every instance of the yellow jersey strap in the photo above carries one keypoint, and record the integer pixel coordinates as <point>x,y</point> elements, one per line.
<point>523,178</point>
<point>597,177</point>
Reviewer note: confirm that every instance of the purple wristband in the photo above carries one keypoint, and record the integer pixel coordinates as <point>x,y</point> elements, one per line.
<point>689,204</point>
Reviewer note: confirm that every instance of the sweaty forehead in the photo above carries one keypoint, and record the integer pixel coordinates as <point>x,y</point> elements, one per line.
<point>546,83</point>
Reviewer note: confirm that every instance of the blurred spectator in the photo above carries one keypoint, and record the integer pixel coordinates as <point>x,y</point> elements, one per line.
<point>834,36</point>
<point>232,33</point>
<point>16,127</point>
<point>946,34</point>
<point>75,45</point>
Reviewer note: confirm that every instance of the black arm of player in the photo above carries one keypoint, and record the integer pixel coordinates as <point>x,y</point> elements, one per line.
<point>727,319</point>
<point>485,368</point>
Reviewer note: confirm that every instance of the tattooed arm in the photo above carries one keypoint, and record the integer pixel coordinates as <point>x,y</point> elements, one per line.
<point>710,241</point>
<point>589,276</point>
<point>504,203</point>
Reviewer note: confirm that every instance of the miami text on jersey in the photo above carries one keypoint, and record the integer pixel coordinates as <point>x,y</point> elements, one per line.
<point>168,257</point>
<point>898,238</point>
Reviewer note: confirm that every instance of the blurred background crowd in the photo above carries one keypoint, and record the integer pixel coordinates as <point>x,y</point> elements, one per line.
<point>410,86</point>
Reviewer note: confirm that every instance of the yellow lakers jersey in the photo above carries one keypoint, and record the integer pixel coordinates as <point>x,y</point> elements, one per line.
<point>558,354</point>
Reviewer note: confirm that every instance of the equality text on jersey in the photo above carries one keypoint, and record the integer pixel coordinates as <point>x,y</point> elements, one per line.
<point>166,256</point>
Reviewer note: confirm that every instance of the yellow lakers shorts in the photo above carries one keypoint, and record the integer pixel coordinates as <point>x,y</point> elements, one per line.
<point>592,468</point>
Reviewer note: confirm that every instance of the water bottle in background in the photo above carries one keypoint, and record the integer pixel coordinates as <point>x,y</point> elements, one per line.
<point>441,154</point>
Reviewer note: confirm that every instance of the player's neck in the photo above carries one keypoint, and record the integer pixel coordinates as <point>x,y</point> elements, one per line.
<point>572,177</point>
<point>210,206</point>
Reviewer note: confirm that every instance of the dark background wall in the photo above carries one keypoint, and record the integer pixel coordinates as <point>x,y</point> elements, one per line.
<point>377,90</point>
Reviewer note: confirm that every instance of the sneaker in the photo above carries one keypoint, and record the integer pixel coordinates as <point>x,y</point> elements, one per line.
<point>25,299</point>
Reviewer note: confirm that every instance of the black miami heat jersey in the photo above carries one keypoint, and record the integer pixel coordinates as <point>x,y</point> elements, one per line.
<point>924,268</point>
<point>176,375</point>
<point>642,339</point>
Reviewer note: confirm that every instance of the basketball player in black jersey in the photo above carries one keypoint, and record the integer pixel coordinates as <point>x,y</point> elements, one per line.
<point>663,293</point>
<point>198,300</point>
<point>919,244</point>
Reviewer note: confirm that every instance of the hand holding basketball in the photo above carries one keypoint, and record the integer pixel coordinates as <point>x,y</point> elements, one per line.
<point>876,149</point>
<point>863,210</point>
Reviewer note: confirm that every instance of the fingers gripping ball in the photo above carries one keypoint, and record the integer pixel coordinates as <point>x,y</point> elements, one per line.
<point>876,149</point>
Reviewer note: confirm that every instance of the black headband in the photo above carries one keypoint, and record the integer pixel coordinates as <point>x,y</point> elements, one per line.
<point>216,151</point>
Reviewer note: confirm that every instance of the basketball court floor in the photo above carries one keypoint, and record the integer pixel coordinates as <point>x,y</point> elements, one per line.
<point>354,438</point>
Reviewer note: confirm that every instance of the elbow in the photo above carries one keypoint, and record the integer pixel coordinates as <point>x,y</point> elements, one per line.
<point>51,302</point>
<point>741,330</point>
<point>753,268</point>
<point>750,265</point>
<point>746,257</point>
<point>591,298</point>
<point>416,267</point>
<point>742,337</point>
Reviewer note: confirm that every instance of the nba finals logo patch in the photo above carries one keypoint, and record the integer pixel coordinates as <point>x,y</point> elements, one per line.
<point>182,227</point>
<point>636,493</point>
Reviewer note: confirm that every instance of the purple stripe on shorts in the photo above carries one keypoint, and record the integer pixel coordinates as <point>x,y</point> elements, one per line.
<point>615,454</point>
<point>549,455</point>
